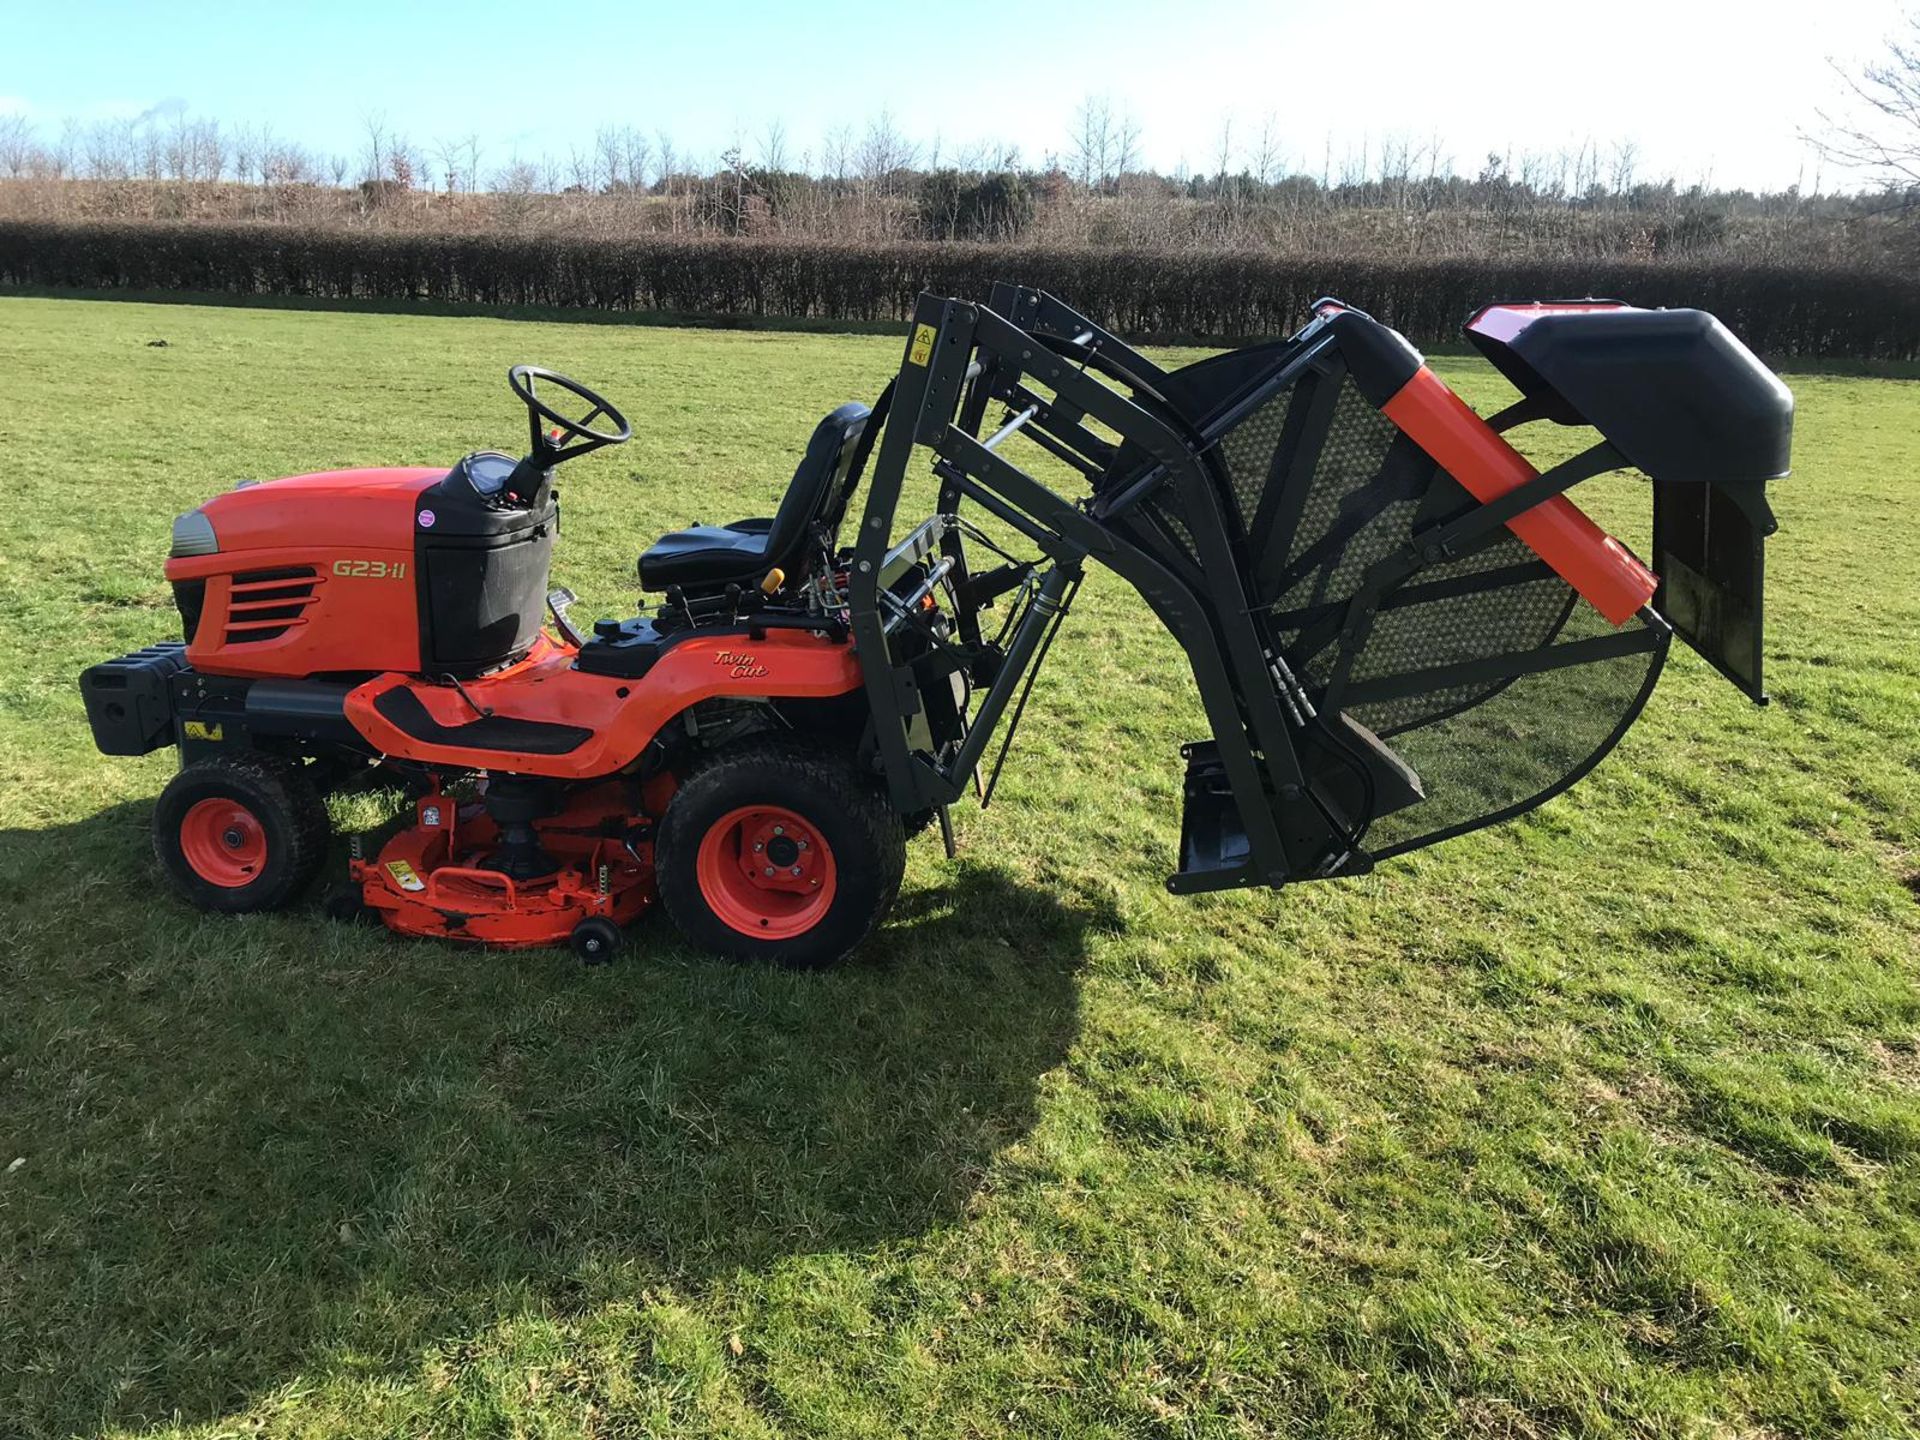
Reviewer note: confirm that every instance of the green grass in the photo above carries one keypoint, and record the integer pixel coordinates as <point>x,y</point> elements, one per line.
<point>1607,1121</point>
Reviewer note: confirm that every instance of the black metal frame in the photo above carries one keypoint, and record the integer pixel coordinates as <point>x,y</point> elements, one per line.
<point>1049,365</point>
<point>970,356</point>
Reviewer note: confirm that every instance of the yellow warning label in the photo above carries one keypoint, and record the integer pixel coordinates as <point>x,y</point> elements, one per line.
<point>403,875</point>
<point>922,348</point>
<point>203,730</point>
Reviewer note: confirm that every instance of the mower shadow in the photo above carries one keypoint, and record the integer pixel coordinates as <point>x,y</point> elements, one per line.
<point>273,1147</point>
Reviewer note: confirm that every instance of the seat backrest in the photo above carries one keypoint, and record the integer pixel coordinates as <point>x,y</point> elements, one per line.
<point>816,478</point>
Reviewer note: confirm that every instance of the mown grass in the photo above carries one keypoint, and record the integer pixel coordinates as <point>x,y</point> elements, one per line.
<point>1604,1122</point>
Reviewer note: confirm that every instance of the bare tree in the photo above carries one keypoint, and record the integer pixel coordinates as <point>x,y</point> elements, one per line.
<point>580,170</point>
<point>664,142</point>
<point>521,177</point>
<point>17,144</point>
<point>1126,147</point>
<point>248,152</point>
<point>471,152</point>
<point>837,155</point>
<point>449,151</point>
<point>285,162</point>
<point>379,142</point>
<point>177,148</point>
<point>152,148</point>
<point>53,160</point>
<point>109,150</point>
<point>633,159</point>
<point>609,158</point>
<point>773,146</point>
<point>59,160</point>
<point>208,148</point>
<point>1223,160</point>
<point>1626,160</point>
<point>1878,133</point>
<point>1267,161</point>
<point>883,152</point>
<point>1092,141</point>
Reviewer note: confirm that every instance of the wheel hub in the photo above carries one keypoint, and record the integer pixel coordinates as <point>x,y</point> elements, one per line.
<point>224,842</point>
<point>766,872</point>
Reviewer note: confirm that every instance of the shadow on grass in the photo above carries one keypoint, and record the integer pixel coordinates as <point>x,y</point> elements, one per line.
<point>269,1148</point>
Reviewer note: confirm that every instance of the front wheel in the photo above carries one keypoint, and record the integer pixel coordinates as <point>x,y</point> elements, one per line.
<point>240,832</point>
<point>772,851</point>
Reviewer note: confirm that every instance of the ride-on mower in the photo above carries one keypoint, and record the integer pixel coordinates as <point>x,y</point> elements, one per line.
<point>1399,629</point>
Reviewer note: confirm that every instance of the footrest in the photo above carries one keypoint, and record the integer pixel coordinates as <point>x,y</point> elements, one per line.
<point>401,708</point>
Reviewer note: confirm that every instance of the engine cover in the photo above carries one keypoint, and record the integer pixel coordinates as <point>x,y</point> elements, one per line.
<point>303,576</point>
<point>354,571</point>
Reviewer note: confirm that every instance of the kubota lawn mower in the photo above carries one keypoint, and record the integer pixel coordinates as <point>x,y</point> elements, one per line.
<point>1399,629</point>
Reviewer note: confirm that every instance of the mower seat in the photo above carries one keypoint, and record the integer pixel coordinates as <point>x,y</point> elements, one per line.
<point>707,556</point>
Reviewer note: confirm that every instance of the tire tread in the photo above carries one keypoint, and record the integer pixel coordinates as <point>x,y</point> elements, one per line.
<point>263,781</point>
<point>881,836</point>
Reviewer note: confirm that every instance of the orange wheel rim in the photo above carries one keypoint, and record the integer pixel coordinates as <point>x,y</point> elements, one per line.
<point>224,843</point>
<point>766,872</point>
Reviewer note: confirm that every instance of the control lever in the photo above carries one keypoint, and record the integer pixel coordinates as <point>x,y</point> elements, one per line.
<point>560,601</point>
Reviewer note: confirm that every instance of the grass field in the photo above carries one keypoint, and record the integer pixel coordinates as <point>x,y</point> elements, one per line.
<point>1604,1122</point>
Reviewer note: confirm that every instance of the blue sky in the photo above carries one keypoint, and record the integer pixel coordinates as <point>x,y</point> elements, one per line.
<point>1702,89</point>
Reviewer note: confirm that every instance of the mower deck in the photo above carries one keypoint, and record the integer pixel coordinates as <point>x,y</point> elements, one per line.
<point>441,876</point>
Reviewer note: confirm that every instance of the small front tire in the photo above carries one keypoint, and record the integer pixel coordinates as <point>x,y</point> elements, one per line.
<point>240,833</point>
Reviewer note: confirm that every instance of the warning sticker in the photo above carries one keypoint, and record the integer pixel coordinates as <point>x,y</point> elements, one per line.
<point>204,730</point>
<point>922,348</point>
<point>403,875</point>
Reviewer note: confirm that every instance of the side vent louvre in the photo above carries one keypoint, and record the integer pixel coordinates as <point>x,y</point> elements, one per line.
<point>265,604</point>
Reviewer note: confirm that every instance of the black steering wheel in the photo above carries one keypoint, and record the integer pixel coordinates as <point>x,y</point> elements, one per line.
<point>549,449</point>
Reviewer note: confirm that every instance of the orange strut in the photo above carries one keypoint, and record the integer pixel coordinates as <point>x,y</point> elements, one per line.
<point>1580,552</point>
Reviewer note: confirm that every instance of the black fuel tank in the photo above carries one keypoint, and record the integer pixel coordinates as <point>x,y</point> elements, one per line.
<point>482,567</point>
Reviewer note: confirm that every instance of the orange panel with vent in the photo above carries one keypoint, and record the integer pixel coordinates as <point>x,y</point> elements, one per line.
<point>315,574</point>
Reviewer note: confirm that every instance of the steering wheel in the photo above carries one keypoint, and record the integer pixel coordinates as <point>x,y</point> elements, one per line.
<point>548,448</point>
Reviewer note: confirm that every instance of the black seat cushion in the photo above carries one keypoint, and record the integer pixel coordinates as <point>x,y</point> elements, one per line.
<point>743,552</point>
<point>705,554</point>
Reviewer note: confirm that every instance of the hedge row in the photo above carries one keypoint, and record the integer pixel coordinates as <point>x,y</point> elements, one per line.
<point>1779,309</point>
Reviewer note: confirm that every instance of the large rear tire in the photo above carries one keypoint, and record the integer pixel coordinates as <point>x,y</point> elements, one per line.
<point>240,833</point>
<point>772,851</point>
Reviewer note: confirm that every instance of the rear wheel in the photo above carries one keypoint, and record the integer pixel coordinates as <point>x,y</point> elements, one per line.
<point>241,832</point>
<point>772,851</point>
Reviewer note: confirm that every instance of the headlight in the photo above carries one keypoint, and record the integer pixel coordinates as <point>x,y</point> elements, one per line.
<point>193,535</point>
